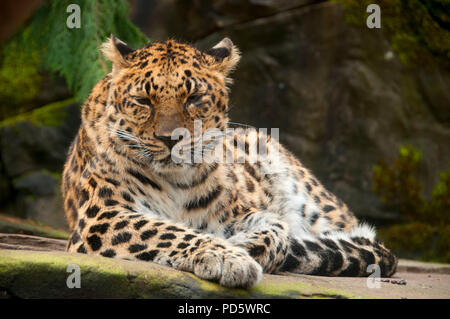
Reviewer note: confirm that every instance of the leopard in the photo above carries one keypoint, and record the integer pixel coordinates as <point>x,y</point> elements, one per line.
<point>127,194</point>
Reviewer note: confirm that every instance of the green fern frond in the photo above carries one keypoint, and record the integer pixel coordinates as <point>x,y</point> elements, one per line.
<point>74,53</point>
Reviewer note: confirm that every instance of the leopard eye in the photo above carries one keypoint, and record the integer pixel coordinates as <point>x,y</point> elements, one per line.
<point>193,99</point>
<point>143,101</point>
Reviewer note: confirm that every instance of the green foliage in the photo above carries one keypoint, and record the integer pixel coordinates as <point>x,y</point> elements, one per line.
<point>74,53</point>
<point>418,241</point>
<point>438,209</point>
<point>419,30</point>
<point>426,232</point>
<point>398,186</point>
<point>19,78</point>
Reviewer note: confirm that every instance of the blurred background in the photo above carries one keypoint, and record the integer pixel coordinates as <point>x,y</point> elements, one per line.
<point>367,110</point>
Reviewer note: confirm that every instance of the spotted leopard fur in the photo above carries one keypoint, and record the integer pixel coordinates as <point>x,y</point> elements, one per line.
<point>125,198</point>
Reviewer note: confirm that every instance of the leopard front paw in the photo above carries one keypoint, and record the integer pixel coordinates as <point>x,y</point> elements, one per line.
<point>230,267</point>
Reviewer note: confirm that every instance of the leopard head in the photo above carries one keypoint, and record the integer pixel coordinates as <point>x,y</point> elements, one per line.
<point>164,87</point>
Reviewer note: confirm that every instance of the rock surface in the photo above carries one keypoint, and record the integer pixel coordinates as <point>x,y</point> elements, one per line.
<point>43,274</point>
<point>33,148</point>
<point>13,225</point>
<point>26,242</point>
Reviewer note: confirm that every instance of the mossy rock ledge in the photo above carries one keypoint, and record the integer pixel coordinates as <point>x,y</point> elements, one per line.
<point>34,274</point>
<point>43,274</point>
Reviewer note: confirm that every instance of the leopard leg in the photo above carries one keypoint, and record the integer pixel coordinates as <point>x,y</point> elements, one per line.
<point>264,236</point>
<point>138,237</point>
<point>339,253</point>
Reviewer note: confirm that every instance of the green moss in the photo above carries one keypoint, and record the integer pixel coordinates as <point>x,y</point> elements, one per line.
<point>49,115</point>
<point>299,290</point>
<point>271,289</point>
<point>19,78</point>
<point>57,175</point>
<point>25,273</point>
<point>31,197</point>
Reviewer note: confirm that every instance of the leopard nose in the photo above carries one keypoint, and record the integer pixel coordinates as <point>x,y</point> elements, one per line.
<point>167,140</point>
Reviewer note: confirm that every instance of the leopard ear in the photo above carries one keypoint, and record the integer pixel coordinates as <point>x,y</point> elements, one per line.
<point>116,51</point>
<point>224,56</point>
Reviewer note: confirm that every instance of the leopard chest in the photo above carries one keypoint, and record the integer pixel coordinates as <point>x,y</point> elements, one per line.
<point>191,207</point>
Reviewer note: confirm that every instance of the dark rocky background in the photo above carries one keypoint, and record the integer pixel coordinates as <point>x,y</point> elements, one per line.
<point>338,93</point>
